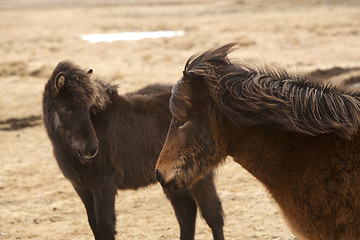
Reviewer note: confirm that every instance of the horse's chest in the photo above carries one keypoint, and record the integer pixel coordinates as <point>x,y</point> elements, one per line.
<point>81,174</point>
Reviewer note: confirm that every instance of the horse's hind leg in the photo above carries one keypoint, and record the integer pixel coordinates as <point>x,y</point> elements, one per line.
<point>185,211</point>
<point>88,200</point>
<point>204,193</point>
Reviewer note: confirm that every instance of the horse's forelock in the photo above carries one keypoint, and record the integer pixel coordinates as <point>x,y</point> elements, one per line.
<point>82,90</point>
<point>82,87</point>
<point>206,67</point>
<point>180,101</point>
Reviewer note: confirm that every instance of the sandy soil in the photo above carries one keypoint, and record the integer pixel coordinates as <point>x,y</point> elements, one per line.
<point>37,202</point>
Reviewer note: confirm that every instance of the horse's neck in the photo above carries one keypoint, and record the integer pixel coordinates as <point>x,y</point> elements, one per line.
<point>276,157</point>
<point>121,109</point>
<point>115,105</point>
<point>259,149</point>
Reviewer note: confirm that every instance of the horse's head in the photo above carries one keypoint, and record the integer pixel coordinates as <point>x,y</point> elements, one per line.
<point>72,98</point>
<point>191,149</point>
<point>193,146</point>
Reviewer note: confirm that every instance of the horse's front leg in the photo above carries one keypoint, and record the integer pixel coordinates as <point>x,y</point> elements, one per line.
<point>104,201</point>
<point>204,193</point>
<point>87,198</point>
<point>185,210</point>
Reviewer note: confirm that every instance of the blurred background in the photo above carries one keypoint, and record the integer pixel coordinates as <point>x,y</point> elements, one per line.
<point>319,37</point>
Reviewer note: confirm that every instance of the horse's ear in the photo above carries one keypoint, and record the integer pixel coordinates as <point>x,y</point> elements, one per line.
<point>90,71</point>
<point>59,81</point>
<point>196,84</point>
<point>188,75</point>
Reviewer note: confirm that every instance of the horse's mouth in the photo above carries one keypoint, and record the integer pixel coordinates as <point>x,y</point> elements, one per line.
<point>84,158</point>
<point>176,185</point>
<point>179,186</point>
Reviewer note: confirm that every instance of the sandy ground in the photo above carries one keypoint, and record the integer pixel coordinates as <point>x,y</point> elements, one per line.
<point>37,202</point>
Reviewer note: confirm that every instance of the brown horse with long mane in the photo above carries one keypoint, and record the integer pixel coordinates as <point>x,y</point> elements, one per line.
<point>298,137</point>
<point>104,141</point>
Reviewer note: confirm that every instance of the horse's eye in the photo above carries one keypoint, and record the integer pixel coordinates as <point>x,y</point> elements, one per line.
<point>66,110</point>
<point>180,124</point>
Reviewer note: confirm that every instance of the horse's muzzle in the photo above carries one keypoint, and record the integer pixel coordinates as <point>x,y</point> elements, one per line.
<point>88,151</point>
<point>172,184</point>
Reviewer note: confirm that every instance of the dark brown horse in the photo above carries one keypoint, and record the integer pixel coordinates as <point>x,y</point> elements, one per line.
<point>103,142</point>
<point>298,137</point>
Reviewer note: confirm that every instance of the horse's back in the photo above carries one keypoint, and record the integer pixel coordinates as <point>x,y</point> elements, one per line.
<point>151,89</point>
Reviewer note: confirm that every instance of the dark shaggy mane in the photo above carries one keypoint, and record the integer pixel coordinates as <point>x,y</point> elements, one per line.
<point>85,90</point>
<point>250,95</point>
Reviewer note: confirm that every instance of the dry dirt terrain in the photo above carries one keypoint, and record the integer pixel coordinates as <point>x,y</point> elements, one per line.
<point>37,202</point>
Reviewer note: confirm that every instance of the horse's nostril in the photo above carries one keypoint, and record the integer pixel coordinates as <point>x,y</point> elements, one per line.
<point>91,150</point>
<point>159,177</point>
